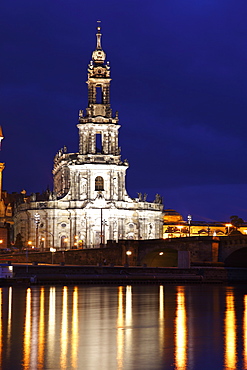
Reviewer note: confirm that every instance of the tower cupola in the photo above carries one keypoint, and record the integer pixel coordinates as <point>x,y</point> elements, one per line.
<point>98,56</point>
<point>98,128</point>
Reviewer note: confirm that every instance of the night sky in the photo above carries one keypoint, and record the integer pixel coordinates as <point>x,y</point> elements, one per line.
<point>179,84</point>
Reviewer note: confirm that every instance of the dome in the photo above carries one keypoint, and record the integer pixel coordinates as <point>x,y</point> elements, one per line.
<point>172,216</point>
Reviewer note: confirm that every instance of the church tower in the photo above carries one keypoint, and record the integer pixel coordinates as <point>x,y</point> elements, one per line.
<point>90,204</point>
<point>99,166</point>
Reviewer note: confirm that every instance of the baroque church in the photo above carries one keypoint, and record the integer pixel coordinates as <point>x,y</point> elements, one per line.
<point>90,204</point>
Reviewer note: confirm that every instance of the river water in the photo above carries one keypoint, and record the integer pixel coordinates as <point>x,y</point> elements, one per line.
<point>124,327</point>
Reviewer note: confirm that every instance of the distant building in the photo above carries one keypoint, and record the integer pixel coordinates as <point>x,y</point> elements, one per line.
<point>5,210</point>
<point>175,227</point>
<point>90,204</point>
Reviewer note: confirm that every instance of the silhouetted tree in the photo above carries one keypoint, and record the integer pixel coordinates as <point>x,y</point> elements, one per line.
<point>18,241</point>
<point>236,221</point>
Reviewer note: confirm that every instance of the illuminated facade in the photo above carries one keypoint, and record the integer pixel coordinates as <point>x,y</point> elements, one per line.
<point>90,204</point>
<point>5,209</point>
<point>175,227</point>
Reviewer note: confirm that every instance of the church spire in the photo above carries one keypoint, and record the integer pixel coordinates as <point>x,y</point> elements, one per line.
<point>98,129</point>
<point>98,35</point>
<point>98,56</point>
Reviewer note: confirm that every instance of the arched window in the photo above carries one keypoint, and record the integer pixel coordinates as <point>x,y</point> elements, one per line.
<point>99,183</point>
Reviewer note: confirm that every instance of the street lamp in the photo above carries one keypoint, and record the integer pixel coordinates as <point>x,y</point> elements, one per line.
<point>37,222</point>
<point>189,218</point>
<point>52,250</point>
<point>228,227</point>
<point>128,254</point>
<point>43,238</point>
<point>29,243</point>
<point>43,243</point>
<point>104,225</point>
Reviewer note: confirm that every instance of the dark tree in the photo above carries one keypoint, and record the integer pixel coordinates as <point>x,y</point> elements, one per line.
<point>236,221</point>
<point>18,241</point>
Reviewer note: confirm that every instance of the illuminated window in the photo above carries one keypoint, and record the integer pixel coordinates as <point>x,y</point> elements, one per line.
<point>99,183</point>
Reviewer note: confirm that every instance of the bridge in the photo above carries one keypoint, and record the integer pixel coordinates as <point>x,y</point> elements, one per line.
<point>231,250</point>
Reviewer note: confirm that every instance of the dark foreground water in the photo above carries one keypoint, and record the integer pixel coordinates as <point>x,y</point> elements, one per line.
<point>124,328</point>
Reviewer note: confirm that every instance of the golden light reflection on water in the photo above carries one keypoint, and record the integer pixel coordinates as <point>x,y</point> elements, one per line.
<point>161,317</point>
<point>10,292</point>
<point>180,331</point>
<point>60,333</point>
<point>245,332</point>
<point>120,329</point>
<point>128,320</point>
<point>124,325</point>
<point>1,326</point>
<point>51,324</point>
<point>230,355</point>
<point>74,334</point>
<point>27,331</point>
<point>41,331</point>
<point>34,331</point>
<point>64,330</point>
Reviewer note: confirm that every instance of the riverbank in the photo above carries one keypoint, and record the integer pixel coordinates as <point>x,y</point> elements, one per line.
<point>77,274</point>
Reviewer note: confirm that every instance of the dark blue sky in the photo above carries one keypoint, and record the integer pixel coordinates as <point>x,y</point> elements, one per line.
<point>179,84</point>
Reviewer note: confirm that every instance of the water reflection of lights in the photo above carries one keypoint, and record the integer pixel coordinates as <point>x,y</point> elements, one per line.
<point>51,324</point>
<point>34,330</point>
<point>120,329</point>
<point>10,292</point>
<point>245,332</point>
<point>27,332</point>
<point>64,330</point>
<point>59,330</point>
<point>180,331</point>
<point>41,347</point>
<point>230,332</point>
<point>161,318</point>
<point>124,322</point>
<point>128,319</point>
<point>74,334</point>
<point>1,326</point>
